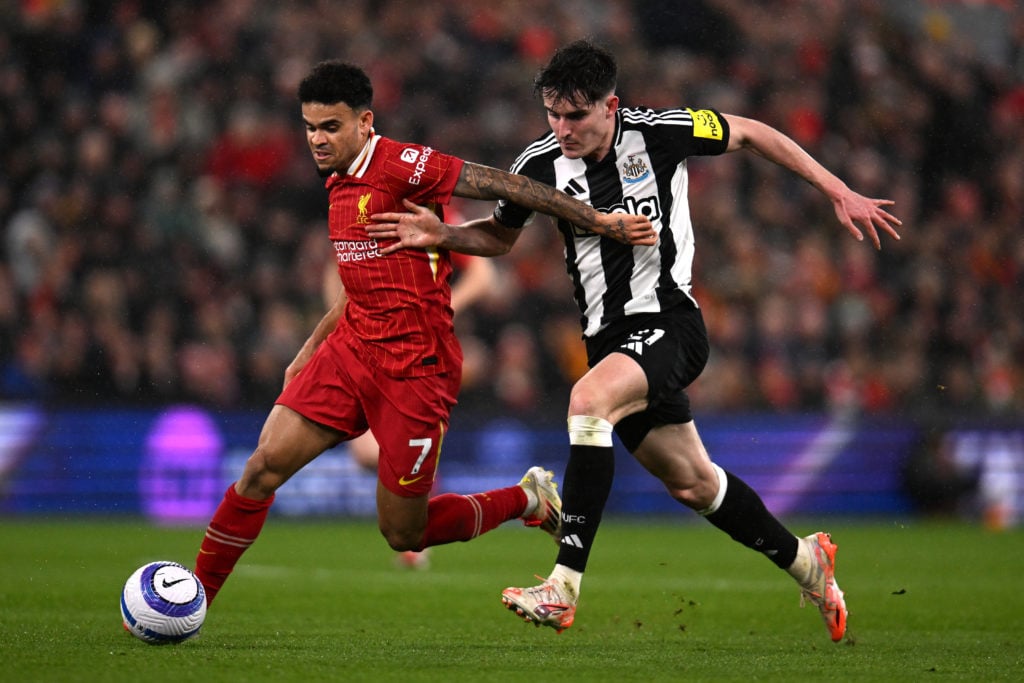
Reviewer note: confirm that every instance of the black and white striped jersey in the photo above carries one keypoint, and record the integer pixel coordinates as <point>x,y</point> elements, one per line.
<point>644,173</point>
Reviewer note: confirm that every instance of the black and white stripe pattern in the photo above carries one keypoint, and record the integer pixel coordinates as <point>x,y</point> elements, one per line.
<point>645,173</point>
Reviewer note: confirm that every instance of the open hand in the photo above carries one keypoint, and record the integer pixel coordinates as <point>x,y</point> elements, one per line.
<point>419,228</point>
<point>853,209</point>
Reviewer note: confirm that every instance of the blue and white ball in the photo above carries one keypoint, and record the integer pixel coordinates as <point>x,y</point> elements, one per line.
<point>163,602</point>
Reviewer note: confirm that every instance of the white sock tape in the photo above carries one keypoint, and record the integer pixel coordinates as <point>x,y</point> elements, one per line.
<point>720,496</point>
<point>589,431</point>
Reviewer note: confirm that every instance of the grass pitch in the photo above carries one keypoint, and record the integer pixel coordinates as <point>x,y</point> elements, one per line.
<point>662,601</point>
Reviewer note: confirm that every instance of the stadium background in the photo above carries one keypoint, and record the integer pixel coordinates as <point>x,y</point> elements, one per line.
<point>163,240</point>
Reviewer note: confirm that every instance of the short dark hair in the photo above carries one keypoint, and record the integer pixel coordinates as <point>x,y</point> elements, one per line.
<point>334,81</point>
<point>580,72</point>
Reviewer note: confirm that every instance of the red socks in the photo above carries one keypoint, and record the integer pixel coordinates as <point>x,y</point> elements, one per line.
<point>452,517</point>
<point>234,527</point>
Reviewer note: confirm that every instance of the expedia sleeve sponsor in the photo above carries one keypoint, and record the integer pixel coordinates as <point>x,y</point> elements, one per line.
<point>421,166</point>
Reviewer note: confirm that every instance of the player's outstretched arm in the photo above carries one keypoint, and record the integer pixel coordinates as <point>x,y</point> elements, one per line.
<point>484,182</point>
<point>854,211</point>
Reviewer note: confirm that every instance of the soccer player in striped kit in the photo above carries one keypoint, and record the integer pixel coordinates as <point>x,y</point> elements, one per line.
<point>385,356</point>
<point>645,336</point>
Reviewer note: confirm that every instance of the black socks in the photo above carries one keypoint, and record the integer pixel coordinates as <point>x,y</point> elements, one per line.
<point>743,516</point>
<point>587,483</point>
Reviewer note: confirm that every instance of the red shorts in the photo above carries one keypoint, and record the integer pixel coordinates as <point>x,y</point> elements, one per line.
<point>408,415</point>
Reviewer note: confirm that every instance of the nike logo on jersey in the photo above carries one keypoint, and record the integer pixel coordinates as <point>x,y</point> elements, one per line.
<point>402,481</point>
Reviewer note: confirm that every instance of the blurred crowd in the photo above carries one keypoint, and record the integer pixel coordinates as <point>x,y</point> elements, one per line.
<point>164,231</point>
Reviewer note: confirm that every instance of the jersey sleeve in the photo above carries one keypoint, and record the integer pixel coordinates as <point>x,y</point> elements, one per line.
<point>423,174</point>
<point>708,134</point>
<point>513,215</point>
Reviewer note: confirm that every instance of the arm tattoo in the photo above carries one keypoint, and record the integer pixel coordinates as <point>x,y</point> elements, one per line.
<point>484,182</point>
<point>617,231</point>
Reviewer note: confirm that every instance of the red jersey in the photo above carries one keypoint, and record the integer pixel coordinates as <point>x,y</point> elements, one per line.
<point>398,316</point>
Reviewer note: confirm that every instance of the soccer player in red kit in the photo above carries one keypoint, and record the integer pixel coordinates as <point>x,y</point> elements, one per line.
<point>385,356</point>
<point>475,278</point>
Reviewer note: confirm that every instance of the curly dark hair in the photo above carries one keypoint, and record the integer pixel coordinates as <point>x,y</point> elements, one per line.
<point>334,81</point>
<point>580,73</point>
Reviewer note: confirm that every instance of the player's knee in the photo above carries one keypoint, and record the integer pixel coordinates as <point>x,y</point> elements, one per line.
<point>401,539</point>
<point>584,401</point>
<point>598,399</point>
<point>259,480</point>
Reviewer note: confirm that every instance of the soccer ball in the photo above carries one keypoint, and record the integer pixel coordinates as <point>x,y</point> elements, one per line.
<point>163,602</point>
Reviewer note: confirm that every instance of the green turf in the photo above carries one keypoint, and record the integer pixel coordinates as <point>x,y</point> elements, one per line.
<point>662,602</point>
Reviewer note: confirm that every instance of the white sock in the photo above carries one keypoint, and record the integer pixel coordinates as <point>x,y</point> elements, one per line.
<point>803,564</point>
<point>532,501</point>
<point>567,577</point>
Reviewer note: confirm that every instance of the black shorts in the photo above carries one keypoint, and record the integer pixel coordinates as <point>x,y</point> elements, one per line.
<point>672,348</point>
